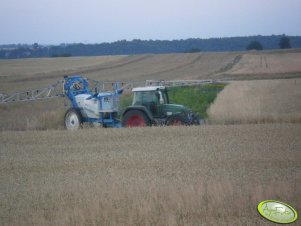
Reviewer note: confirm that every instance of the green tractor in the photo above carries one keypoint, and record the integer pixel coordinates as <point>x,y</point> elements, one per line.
<point>150,106</point>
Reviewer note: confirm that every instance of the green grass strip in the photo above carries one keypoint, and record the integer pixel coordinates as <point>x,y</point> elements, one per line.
<point>197,98</point>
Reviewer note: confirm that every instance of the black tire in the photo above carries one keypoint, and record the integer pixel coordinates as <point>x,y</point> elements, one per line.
<point>197,120</point>
<point>135,118</point>
<point>177,120</point>
<point>73,119</point>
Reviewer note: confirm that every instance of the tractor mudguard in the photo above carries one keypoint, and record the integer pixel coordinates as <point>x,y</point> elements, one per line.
<point>139,108</point>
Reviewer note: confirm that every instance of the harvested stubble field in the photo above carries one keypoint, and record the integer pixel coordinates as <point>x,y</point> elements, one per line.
<point>209,175</point>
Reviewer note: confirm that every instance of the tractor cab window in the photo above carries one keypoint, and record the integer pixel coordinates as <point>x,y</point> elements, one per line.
<point>163,97</point>
<point>150,97</point>
<point>144,97</point>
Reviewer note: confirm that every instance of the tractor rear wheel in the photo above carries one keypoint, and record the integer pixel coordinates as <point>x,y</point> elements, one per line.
<point>73,119</point>
<point>135,118</point>
<point>196,120</point>
<point>176,120</point>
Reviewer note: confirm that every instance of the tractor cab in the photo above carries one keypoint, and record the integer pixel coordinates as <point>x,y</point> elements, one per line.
<point>153,98</point>
<point>150,94</point>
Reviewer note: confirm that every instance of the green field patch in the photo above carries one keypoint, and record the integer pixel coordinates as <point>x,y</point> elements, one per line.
<point>197,98</point>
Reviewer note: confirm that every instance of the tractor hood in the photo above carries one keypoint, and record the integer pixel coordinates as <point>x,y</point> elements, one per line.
<point>171,109</point>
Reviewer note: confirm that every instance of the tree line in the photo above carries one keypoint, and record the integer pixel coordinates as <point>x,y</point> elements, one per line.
<point>137,46</point>
<point>284,43</point>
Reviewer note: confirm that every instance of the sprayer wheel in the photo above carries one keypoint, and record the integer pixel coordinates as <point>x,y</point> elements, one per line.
<point>73,119</point>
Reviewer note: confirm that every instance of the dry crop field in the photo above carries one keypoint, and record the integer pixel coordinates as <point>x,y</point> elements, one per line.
<point>214,174</point>
<point>270,62</point>
<point>208,175</point>
<point>258,101</point>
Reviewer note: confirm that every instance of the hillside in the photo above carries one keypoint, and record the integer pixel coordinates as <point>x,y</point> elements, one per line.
<point>23,74</point>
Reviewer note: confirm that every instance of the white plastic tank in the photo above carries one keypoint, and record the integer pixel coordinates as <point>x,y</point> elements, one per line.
<point>90,106</point>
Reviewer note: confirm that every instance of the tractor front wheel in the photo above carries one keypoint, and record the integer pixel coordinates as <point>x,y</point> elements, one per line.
<point>73,119</point>
<point>135,118</point>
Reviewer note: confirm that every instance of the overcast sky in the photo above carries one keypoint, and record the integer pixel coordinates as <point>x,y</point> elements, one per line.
<point>96,21</point>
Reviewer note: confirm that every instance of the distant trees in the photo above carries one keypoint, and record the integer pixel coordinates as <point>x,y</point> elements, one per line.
<point>284,42</point>
<point>254,45</point>
<point>136,46</point>
<point>193,50</point>
<point>62,55</point>
<point>35,45</point>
